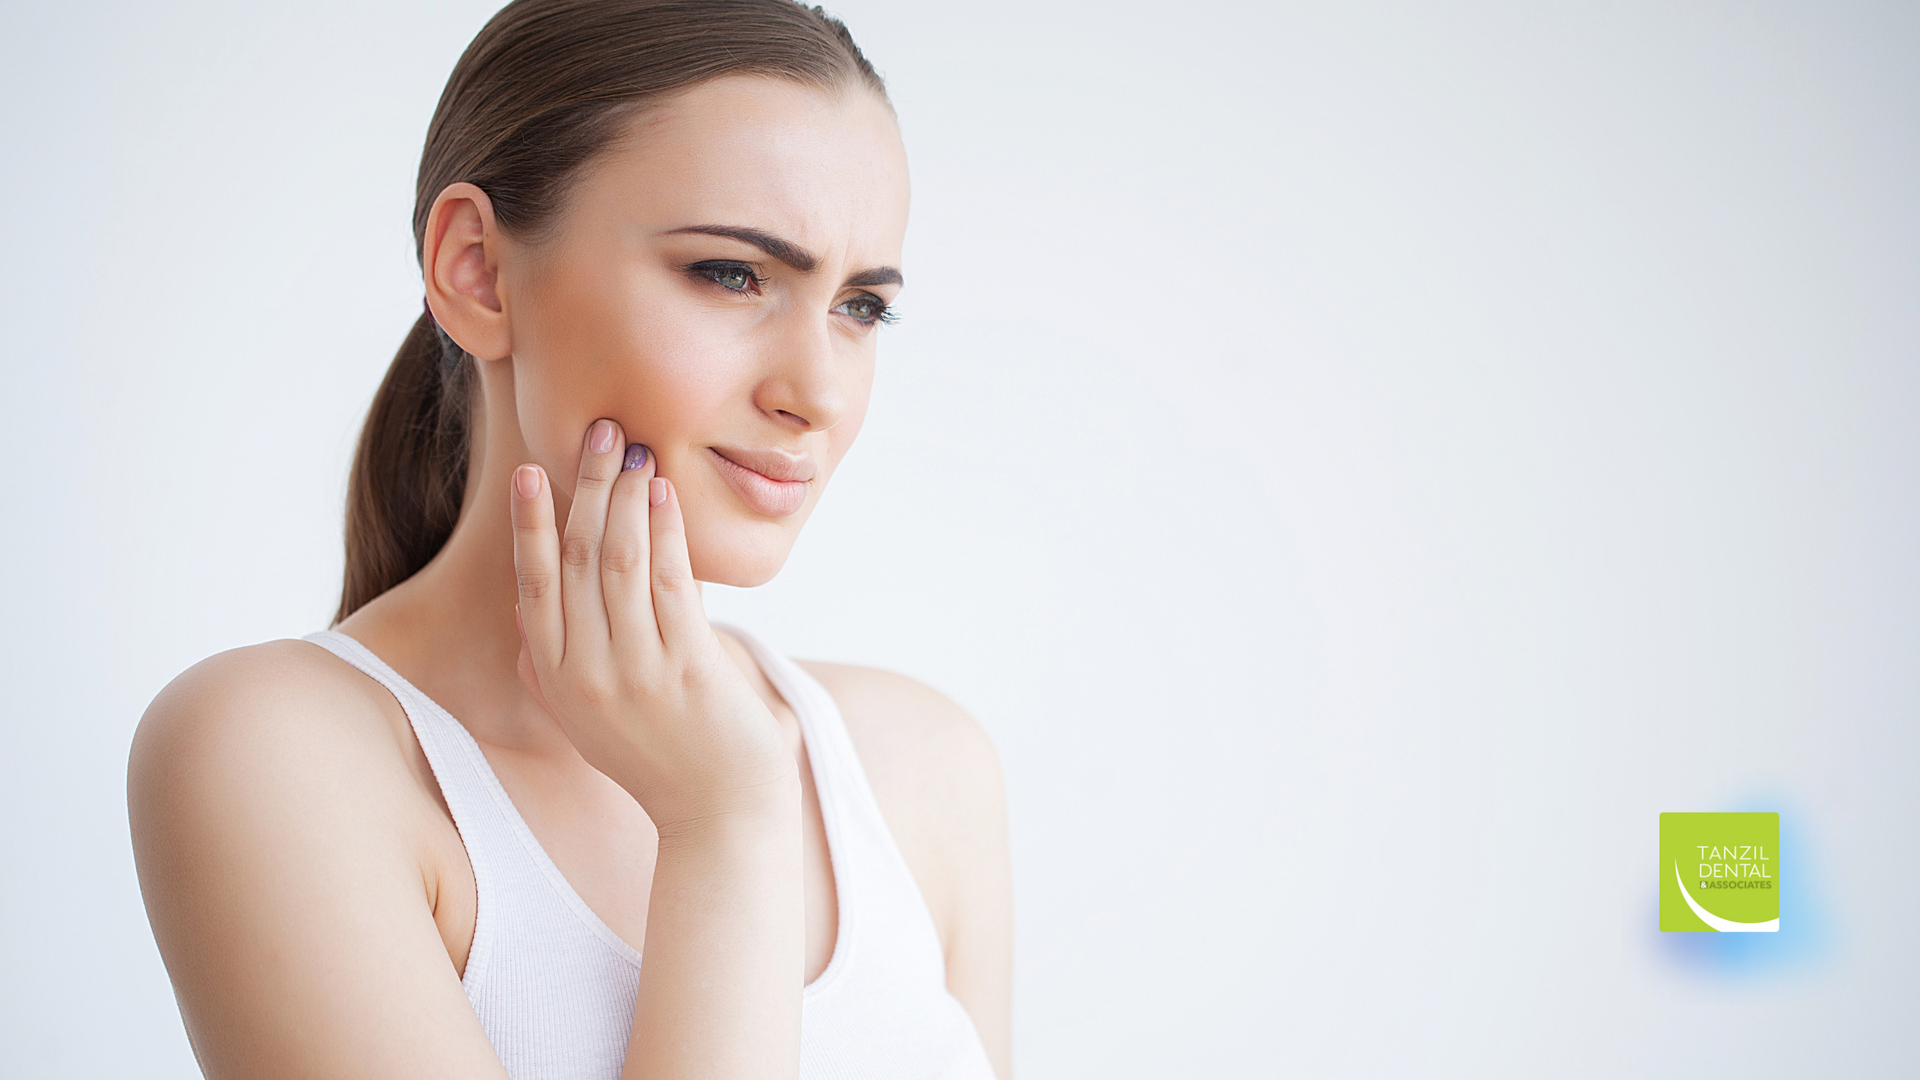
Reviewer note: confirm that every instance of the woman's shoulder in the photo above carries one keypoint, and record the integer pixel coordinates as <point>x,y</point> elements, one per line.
<point>284,691</point>
<point>901,725</point>
<point>937,778</point>
<point>262,717</point>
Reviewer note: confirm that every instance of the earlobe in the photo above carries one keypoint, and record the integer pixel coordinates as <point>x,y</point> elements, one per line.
<point>461,265</point>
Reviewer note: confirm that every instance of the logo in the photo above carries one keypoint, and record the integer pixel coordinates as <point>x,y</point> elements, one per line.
<point>1720,872</point>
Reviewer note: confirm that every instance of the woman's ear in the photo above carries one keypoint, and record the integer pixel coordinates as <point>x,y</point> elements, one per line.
<point>461,262</point>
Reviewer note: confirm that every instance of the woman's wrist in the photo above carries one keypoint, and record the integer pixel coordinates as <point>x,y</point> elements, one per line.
<point>770,811</point>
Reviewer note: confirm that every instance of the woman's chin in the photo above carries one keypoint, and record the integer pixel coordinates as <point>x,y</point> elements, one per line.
<point>740,561</point>
<point>737,580</point>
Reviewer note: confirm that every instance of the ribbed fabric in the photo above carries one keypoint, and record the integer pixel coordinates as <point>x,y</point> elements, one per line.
<point>555,988</point>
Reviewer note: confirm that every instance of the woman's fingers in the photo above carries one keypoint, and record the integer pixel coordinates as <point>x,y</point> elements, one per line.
<point>619,583</point>
<point>536,564</point>
<point>626,555</point>
<point>586,609</point>
<point>676,597</point>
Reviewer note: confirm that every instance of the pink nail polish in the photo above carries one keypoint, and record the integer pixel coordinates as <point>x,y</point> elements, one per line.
<point>526,481</point>
<point>656,491</point>
<point>600,439</point>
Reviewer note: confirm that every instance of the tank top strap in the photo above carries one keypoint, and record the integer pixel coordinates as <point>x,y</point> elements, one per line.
<point>458,768</point>
<point>836,765</point>
<point>446,744</point>
<point>886,933</point>
<point>881,1008</point>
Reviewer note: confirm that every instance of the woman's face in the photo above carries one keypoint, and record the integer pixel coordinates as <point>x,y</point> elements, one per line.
<point>715,283</point>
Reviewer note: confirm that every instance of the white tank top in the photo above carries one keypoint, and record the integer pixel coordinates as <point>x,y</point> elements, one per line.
<point>555,988</point>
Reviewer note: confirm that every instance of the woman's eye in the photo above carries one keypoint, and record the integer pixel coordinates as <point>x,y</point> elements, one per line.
<point>866,309</point>
<point>732,276</point>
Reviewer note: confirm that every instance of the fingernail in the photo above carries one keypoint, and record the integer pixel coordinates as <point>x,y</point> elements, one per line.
<point>600,439</point>
<point>657,491</point>
<point>519,622</point>
<point>636,457</point>
<point>526,481</point>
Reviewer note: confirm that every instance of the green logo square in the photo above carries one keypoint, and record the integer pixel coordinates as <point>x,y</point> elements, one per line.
<point>1720,872</point>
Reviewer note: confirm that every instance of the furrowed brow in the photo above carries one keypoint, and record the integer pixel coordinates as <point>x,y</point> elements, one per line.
<point>879,275</point>
<point>785,250</point>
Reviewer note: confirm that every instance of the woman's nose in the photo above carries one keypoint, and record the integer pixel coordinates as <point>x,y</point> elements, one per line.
<point>804,387</point>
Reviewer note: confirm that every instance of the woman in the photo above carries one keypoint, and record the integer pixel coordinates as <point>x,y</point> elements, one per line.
<point>657,240</point>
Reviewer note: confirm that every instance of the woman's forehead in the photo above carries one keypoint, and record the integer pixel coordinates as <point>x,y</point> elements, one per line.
<point>822,166</point>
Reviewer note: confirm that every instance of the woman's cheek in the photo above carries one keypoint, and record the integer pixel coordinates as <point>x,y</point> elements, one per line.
<point>840,437</point>
<point>659,382</point>
<point>553,422</point>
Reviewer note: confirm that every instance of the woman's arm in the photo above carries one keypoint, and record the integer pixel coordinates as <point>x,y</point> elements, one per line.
<point>274,826</point>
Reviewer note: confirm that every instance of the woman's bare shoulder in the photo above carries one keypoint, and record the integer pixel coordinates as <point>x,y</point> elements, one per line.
<point>254,695</point>
<point>261,716</point>
<point>913,734</point>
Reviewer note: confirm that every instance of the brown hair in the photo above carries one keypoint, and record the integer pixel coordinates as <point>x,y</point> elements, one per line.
<point>544,87</point>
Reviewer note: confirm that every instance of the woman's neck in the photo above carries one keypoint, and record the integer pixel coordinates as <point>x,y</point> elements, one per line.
<point>449,629</point>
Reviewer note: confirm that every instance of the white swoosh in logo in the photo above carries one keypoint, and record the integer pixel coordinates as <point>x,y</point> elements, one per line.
<point>1715,921</point>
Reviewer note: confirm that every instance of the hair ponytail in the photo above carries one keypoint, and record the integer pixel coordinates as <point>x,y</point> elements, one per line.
<point>410,472</point>
<point>543,88</point>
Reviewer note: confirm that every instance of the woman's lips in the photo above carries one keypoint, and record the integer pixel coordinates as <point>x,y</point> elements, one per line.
<point>769,482</point>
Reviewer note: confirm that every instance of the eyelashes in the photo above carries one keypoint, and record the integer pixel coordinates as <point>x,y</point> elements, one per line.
<point>868,308</point>
<point>738,277</point>
<point>731,276</point>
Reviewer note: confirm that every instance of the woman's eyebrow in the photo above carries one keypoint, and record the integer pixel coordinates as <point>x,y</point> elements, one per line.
<point>785,250</point>
<point>879,275</point>
<point>791,253</point>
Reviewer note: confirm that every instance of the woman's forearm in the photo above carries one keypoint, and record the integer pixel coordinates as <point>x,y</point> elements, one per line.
<point>723,964</point>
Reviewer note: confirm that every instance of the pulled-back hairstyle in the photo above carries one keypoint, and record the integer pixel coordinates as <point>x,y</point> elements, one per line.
<point>545,87</point>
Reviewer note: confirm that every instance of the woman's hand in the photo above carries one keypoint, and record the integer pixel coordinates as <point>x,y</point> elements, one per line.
<point>616,646</point>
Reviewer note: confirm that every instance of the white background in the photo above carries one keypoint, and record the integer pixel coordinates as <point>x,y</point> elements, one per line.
<point>1361,463</point>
